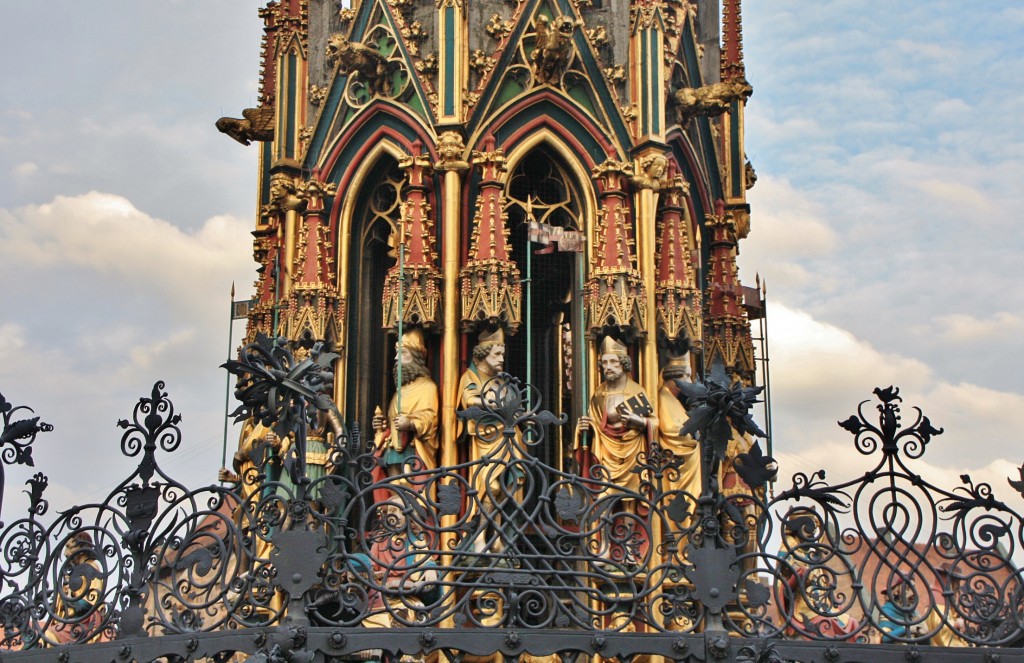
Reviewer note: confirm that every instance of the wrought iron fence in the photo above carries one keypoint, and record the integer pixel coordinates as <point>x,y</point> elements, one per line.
<point>506,554</point>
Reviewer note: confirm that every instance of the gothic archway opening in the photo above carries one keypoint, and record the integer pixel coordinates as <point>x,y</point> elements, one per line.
<point>370,354</point>
<point>543,193</point>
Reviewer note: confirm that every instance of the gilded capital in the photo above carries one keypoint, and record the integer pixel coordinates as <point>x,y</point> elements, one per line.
<point>451,149</point>
<point>490,160</point>
<point>649,172</point>
<point>286,194</point>
<point>611,173</point>
<point>676,190</point>
<point>314,191</point>
<point>418,164</point>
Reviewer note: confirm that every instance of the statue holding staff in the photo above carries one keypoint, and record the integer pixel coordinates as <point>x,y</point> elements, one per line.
<point>407,439</point>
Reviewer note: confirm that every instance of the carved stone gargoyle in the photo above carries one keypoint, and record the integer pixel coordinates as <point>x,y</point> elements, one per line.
<point>553,48</point>
<point>366,63</point>
<point>710,100</point>
<point>258,125</point>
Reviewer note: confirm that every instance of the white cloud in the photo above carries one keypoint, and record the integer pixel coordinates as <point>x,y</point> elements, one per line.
<point>950,110</point>
<point>25,169</point>
<point>12,340</point>
<point>106,235</point>
<point>821,372</point>
<point>129,299</point>
<point>818,367</point>
<point>786,229</point>
<point>787,221</point>
<point>970,200</point>
<point>961,328</point>
<point>1012,15</point>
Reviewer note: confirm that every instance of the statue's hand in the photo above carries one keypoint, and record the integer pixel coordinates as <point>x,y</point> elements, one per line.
<point>635,421</point>
<point>378,422</point>
<point>273,440</point>
<point>584,425</point>
<point>227,476</point>
<point>403,422</point>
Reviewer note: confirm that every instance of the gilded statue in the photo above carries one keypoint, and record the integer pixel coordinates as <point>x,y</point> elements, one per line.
<point>650,172</point>
<point>450,149</point>
<point>256,124</point>
<point>672,417</point>
<point>257,442</point>
<point>494,481</point>
<point>251,467</point>
<point>553,48</point>
<point>286,194</point>
<point>320,436</point>
<point>365,62</point>
<point>943,619</point>
<point>621,426</point>
<point>406,440</point>
<point>620,420</point>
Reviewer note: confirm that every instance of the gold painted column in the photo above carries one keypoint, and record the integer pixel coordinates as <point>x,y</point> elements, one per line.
<point>450,148</point>
<point>647,180</point>
<point>286,198</point>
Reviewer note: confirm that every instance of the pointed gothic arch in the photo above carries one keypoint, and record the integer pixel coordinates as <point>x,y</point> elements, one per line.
<point>547,181</point>
<point>368,214</point>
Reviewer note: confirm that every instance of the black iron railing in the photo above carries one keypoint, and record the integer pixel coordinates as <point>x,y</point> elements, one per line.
<point>340,562</point>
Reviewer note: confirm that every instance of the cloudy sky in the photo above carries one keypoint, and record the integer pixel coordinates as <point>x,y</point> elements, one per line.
<point>887,144</point>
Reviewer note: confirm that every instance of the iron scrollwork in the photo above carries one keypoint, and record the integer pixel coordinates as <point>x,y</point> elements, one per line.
<point>288,565</point>
<point>17,437</point>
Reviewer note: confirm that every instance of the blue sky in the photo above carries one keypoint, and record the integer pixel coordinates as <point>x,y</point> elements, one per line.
<point>888,148</point>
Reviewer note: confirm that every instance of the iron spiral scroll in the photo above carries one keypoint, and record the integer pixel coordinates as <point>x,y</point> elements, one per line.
<point>548,562</point>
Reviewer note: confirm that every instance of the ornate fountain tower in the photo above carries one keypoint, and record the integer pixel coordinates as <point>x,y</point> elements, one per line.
<point>562,169</point>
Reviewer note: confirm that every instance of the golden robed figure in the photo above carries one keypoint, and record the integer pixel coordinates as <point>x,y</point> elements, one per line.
<point>493,475</point>
<point>407,439</point>
<point>620,418</point>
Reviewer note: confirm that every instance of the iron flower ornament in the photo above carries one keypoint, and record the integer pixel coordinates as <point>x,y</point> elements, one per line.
<point>275,388</point>
<point>716,407</point>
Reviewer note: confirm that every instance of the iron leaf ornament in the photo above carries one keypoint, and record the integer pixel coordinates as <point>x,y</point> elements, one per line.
<point>507,406</point>
<point>19,433</point>
<point>755,468</point>
<point>275,389</point>
<point>1018,485</point>
<point>890,433</point>
<point>271,383</point>
<point>716,407</point>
